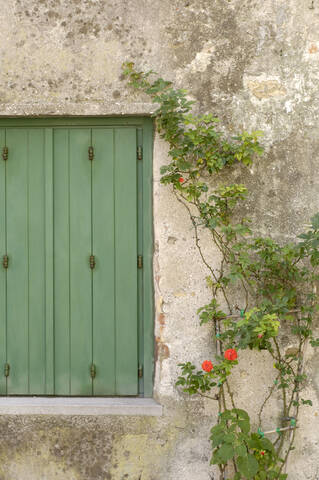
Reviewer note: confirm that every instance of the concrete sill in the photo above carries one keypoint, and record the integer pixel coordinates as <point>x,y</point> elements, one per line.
<point>79,406</point>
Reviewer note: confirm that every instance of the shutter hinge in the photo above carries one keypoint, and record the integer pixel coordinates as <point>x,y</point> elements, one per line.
<point>139,152</point>
<point>6,369</point>
<point>91,153</point>
<point>5,152</point>
<point>140,371</point>
<point>92,262</point>
<point>139,261</point>
<point>5,261</point>
<point>93,371</point>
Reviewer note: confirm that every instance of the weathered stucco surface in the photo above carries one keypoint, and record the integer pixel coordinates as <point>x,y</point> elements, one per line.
<point>255,65</point>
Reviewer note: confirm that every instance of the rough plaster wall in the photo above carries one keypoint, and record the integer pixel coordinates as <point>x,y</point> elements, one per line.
<point>255,65</point>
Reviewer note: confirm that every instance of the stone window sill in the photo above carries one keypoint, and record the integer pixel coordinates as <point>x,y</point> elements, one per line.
<point>79,406</point>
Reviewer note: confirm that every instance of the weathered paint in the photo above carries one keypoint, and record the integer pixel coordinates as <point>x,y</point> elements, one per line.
<point>255,65</point>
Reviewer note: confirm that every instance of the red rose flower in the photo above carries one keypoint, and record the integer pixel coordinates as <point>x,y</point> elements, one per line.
<point>262,453</point>
<point>181,179</point>
<point>207,366</point>
<point>231,354</point>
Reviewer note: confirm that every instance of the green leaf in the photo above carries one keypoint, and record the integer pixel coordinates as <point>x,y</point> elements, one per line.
<point>267,445</point>
<point>244,425</point>
<point>230,438</point>
<point>247,466</point>
<point>226,415</point>
<point>226,452</point>
<point>241,413</point>
<point>241,450</point>
<point>217,439</point>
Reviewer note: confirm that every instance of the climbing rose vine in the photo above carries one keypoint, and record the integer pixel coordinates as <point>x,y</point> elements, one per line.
<point>276,281</point>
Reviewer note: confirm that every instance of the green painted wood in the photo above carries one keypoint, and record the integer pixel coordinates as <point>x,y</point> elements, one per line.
<point>62,338</point>
<point>49,292</point>
<point>3,273</point>
<point>148,291</point>
<point>125,181</point>
<point>36,261</point>
<point>103,249</point>
<point>111,339</point>
<point>140,313</point>
<point>74,122</point>
<point>72,249</point>
<point>17,273</point>
<point>80,272</point>
<point>26,250</point>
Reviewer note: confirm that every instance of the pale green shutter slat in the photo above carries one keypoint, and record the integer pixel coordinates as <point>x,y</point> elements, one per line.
<point>148,292</point>
<point>36,261</point>
<point>140,270</point>
<point>3,353</point>
<point>80,273</point>
<point>49,320</point>
<point>17,274</point>
<point>62,337</point>
<point>125,261</point>
<point>103,249</point>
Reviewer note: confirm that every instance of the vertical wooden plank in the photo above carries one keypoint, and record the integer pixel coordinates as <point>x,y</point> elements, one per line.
<point>48,207</point>
<point>140,286</point>
<point>148,290</point>
<point>36,261</point>
<point>17,274</point>
<point>80,273</point>
<point>61,182</point>
<point>3,247</point>
<point>103,274</point>
<point>126,261</point>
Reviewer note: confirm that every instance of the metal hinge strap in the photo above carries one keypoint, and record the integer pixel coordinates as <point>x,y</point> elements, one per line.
<point>5,261</point>
<point>6,369</point>
<point>93,371</point>
<point>139,261</point>
<point>92,262</point>
<point>139,153</point>
<point>140,371</point>
<point>91,153</point>
<point>5,152</point>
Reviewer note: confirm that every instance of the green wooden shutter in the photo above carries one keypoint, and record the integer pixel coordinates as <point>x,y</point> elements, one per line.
<point>58,317</point>
<point>114,186</point>
<point>72,249</point>
<point>3,272</point>
<point>103,210</point>
<point>27,286</point>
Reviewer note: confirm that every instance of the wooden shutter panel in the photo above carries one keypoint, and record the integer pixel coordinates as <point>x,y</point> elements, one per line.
<point>26,283</point>
<point>115,246</point>
<point>73,277</point>
<point>126,261</point>
<point>104,328</point>
<point>3,272</point>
